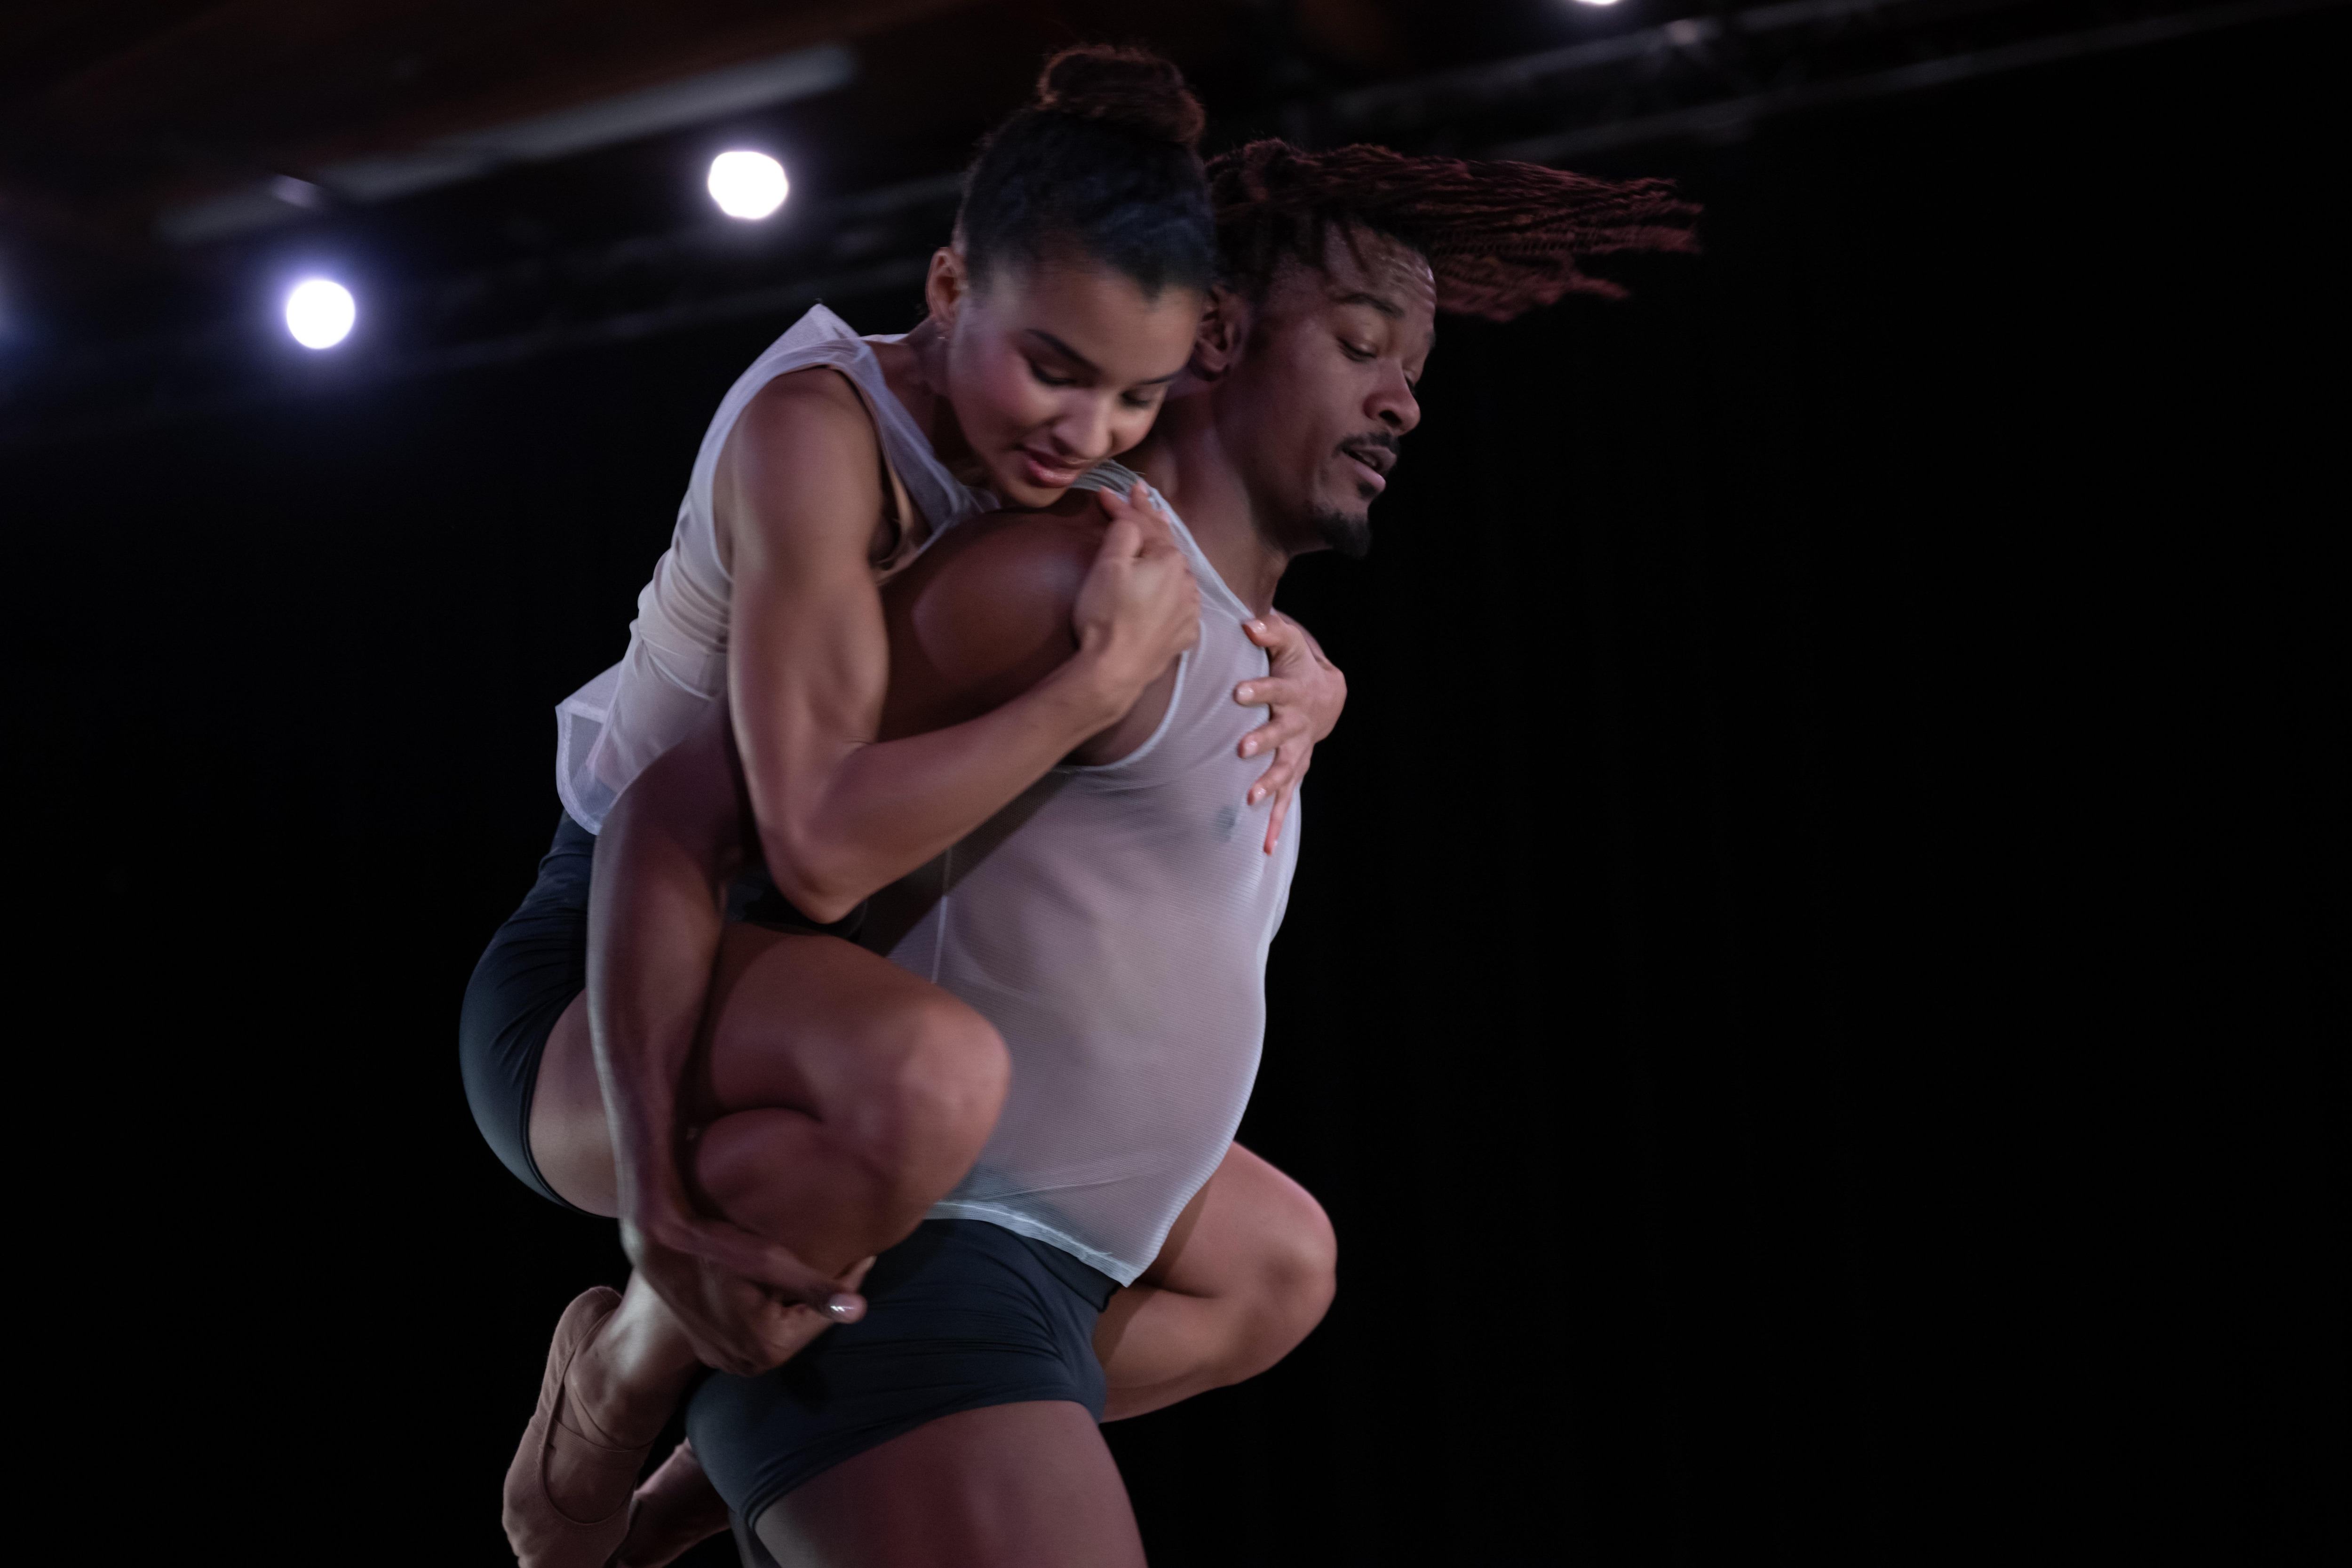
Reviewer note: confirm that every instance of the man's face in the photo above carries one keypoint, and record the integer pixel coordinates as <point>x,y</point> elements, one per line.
<point>1312,409</point>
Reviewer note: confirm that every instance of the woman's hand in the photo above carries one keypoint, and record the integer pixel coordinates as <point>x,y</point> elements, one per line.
<point>1139,606</point>
<point>747,1305</point>
<point>1305,692</point>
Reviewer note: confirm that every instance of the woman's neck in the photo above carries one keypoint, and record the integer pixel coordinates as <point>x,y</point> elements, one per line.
<point>915,369</point>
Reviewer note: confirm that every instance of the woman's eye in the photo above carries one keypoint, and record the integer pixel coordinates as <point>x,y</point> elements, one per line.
<point>1143,399</point>
<point>1048,377</point>
<point>1359,354</point>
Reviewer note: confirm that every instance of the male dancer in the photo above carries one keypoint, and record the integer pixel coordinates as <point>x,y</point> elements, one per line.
<point>1109,923</point>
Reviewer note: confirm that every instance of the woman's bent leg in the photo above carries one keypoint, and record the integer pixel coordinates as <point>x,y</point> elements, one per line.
<point>1247,1271</point>
<point>1009,1486</point>
<point>834,1099</point>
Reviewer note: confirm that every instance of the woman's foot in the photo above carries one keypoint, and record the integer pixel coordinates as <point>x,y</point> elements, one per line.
<point>568,1491</point>
<point>676,1509</point>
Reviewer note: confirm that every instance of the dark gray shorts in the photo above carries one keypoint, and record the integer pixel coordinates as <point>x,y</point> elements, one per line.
<point>960,1315</point>
<point>534,966</point>
<point>532,969</point>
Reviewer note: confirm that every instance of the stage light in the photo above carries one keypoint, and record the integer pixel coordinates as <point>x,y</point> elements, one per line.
<point>748,184</point>
<point>1596,2</point>
<point>319,314</point>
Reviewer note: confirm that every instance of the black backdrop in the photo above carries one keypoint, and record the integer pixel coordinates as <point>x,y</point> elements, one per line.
<point>1796,986</point>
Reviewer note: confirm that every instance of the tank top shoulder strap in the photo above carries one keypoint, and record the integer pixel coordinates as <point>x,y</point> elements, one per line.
<point>916,476</point>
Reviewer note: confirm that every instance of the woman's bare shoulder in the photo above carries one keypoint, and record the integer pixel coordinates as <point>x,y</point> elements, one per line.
<point>803,455</point>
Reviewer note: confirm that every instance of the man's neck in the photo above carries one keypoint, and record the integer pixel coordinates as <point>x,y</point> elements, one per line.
<point>1185,460</point>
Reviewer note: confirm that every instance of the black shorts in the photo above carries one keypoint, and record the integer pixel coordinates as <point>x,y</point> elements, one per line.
<point>534,966</point>
<point>960,1315</point>
<point>532,969</point>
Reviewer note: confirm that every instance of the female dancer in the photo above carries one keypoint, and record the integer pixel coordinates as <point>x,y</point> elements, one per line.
<point>1055,323</point>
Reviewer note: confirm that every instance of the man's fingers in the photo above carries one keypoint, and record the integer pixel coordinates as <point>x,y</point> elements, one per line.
<point>1275,817</point>
<point>1280,777</point>
<point>1270,691</point>
<point>764,1263</point>
<point>1284,728</point>
<point>1271,632</point>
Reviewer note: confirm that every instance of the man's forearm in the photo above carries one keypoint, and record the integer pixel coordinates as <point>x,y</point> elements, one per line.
<point>654,929</point>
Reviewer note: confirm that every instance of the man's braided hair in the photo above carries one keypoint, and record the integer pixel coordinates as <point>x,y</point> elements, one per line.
<point>1501,238</point>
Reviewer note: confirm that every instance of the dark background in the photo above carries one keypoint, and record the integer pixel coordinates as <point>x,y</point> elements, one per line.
<point>1803,997</point>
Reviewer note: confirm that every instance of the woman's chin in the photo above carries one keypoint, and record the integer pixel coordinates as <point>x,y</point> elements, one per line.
<point>1017,490</point>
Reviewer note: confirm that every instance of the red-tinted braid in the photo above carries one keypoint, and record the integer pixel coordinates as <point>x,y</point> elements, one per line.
<point>1501,238</point>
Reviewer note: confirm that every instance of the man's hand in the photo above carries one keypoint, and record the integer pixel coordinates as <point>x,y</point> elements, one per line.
<point>1305,692</point>
<point>745,1304</point>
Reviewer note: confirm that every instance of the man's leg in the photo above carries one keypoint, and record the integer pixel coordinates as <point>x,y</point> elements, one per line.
<point>1012,1486</point>
<point>1247,1271</point>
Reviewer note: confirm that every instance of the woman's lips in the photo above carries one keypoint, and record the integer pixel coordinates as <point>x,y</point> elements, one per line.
<point>1046,475</point>
<point>1368,473</point>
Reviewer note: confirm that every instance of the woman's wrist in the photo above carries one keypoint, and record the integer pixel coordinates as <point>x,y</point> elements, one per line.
<point>1096,687</point>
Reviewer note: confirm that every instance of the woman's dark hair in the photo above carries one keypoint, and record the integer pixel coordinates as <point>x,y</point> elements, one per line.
<point>1103,162</point>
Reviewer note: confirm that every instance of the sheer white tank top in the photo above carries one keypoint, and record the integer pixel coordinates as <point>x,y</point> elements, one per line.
<point>1113,924</point>
<point>676,664</point>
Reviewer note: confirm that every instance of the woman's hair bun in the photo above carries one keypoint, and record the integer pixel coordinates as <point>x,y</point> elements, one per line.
<point>1133,88</point>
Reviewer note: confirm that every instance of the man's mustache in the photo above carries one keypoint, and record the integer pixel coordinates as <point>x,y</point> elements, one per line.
<point>1383,441</point>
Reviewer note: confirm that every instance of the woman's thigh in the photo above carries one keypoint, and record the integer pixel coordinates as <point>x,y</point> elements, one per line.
<point>793,1021</point>
<point>1011,1486</point>
<point>1247,1223</point>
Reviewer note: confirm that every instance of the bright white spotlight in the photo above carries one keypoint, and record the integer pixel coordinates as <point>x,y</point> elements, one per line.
<point>1596,2</point>
<point>319,314</point>
<point>748,184</point>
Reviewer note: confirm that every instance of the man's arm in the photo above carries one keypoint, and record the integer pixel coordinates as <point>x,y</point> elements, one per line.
<point>985,614</point>
<point>668,850</point>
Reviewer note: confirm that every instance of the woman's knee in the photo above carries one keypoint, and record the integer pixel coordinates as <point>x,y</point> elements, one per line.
<point>1298,1270</point>
<point>933,1077</point>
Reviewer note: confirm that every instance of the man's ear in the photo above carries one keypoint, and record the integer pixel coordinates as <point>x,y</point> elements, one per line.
<point>948,287</point>
<point>1224,328</point>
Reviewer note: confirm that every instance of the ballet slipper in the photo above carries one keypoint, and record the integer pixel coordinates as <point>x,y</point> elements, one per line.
<point>543,1535</point>
<point>678,1507</point>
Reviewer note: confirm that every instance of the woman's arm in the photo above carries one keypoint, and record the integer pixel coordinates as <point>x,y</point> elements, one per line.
<point>840,814</point>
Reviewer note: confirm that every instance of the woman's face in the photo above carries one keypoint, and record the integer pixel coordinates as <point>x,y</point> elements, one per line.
<point>1053,365</point>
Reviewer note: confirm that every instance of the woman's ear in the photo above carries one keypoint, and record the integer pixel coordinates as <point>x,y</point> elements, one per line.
<point>948,286</point>
<point>1225,327</point>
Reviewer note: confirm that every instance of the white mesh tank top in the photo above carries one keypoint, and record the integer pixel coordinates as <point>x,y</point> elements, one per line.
<point>675,665</point>
<point>1113,924</point>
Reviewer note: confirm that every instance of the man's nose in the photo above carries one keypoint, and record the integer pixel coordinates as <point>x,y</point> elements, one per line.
<point>1393,404</point>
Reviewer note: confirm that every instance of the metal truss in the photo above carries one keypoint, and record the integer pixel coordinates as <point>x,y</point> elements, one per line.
<point>1710,77</point>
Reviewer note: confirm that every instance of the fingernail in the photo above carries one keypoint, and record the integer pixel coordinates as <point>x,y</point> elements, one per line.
<point>1249,747</point>
<point>1243,694</point>
<point>1258,626</point>
<point>844,1309</point>
<point>1257,796</point>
